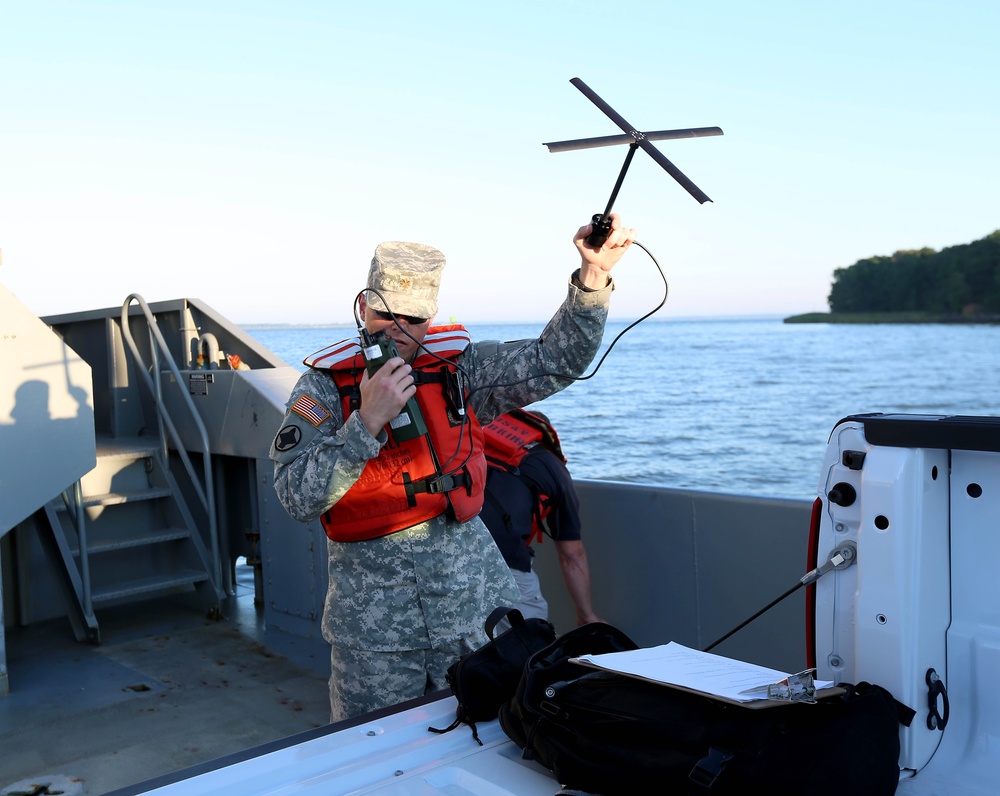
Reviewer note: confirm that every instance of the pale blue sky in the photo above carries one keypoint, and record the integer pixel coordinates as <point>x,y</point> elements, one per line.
<point>252,154</point>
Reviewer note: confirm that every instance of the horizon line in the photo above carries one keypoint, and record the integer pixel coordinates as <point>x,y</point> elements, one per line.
<point>351,324</point>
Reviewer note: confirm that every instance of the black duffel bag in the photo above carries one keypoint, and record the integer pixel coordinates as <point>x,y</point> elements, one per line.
<point>484,679</point>
<point>609,734</point>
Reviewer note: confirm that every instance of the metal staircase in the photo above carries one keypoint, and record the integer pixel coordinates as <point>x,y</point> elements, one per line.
<point>127,533</point>
<point>138,537</point>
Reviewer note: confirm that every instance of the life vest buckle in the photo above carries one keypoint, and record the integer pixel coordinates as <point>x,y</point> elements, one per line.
<point>447,483</point>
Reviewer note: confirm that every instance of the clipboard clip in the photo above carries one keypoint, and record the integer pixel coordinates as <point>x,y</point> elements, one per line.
<point>798,687</point>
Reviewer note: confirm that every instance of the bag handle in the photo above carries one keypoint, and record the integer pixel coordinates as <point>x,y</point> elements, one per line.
<point>512,614</point>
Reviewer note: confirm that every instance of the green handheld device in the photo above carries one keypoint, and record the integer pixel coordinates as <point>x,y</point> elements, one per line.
<point>379,349</point>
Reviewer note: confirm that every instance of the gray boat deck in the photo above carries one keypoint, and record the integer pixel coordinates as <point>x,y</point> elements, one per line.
<point>166,689</point>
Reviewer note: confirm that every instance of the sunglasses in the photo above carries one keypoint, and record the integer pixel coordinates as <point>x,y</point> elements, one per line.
<point>410,320</point>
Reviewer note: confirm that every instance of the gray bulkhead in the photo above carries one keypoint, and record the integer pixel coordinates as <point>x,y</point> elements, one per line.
<point>667,564</point>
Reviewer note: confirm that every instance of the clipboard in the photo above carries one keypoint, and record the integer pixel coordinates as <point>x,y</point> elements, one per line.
<point>714,676</point>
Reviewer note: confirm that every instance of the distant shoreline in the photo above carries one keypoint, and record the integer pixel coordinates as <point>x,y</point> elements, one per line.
<point>890,317</point>
<point>332,325</point>
<point>540,322</point>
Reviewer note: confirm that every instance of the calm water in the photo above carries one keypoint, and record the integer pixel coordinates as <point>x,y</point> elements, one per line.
<point>741,406</point>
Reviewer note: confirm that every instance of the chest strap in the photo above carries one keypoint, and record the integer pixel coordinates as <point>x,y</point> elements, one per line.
<point>436,485</point>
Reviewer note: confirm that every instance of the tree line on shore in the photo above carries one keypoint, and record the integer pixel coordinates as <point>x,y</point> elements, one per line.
<point>962,280</point>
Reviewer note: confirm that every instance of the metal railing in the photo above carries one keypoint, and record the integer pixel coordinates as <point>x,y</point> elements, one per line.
<point>206,493</point>
<point>74,508</point>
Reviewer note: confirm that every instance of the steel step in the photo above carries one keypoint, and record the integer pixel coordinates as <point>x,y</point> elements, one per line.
<point>148,585</point>
<point>118,498</point>
<point>158,537</point>
<point>126,448</point>
<point>129,496</point>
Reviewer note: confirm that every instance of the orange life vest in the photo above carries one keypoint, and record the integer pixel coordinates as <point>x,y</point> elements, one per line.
<point>508,440</point>
<point>412,481</point>
<point>511,436</point>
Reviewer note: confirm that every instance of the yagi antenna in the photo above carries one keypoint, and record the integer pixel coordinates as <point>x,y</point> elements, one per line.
<point>635,139</point>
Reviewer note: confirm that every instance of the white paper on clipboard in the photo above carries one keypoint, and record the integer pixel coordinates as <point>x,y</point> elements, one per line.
<point>677,665</point>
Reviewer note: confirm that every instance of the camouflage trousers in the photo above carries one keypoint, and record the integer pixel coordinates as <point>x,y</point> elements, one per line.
<point>363,680</point>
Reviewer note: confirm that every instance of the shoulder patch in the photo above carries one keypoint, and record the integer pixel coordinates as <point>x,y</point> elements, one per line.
<point>287,438</point>
<point>308,408</point>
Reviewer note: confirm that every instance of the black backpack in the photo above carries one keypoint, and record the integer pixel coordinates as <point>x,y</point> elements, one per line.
<point>482,680</point>
<point>609,734</point>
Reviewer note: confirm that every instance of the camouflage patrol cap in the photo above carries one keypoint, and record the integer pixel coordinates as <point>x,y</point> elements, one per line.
<point>407,276</point>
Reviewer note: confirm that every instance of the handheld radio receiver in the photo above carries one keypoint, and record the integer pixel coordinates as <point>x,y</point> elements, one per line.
<point>378,349</point>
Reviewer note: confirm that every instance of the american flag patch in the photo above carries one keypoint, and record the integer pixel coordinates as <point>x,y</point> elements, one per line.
<point>310,410</point>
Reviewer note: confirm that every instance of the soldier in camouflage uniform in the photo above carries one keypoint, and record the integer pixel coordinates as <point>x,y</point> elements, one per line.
<point>402,607</point>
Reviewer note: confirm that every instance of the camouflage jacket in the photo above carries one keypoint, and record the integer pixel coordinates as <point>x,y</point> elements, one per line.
<point>436,582</point>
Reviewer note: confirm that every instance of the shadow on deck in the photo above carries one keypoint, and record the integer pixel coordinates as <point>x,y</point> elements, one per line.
<point>169,689</point>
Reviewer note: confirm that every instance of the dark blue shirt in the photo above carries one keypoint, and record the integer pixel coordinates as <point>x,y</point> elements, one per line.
<point>514,496</point>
